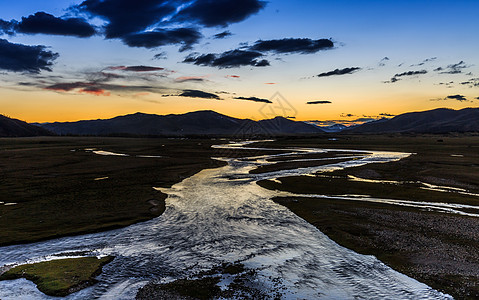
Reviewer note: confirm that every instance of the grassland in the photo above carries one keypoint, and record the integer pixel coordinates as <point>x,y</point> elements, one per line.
<point>53,187</point>
<point>60,277</point>
<point>438,249</point>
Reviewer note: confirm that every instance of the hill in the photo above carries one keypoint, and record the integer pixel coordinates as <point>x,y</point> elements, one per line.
<point>15,128</point>
<point>441,120</point>
<point>193,123</point>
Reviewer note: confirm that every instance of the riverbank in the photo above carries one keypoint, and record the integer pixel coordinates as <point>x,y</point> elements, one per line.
<point>61,186</point>
<point>438,249</point>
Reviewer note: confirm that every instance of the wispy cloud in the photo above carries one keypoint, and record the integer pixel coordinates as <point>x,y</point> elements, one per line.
<point>452,68</point>
<point>427,60</point>
<point>398,76</point>
<point>254,99</point>
<point>383,61</point>
<point>191,78</point>
<point>222,35</point>
<point>473,82</point>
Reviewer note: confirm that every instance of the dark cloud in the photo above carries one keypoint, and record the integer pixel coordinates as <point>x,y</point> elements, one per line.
<point>7,27</point>
<point>344,115</point>
<point>222,35</point>
<point>229,59</point>
<point>456,97</point>
<point>199,94</point>
<point>125,16</point>
<point>386,115</point>
<point>339,72</point>
<point>23,58</point>
<point>131,21</point>
<point>162,37</point>
<point>254,99</point>
<point>136,68</point>
<point>319,102</point>
<point>213,13</point>
<point>42,22</point>
<point>477,98</point>
<point>292,45</point>
<point>253,55</point>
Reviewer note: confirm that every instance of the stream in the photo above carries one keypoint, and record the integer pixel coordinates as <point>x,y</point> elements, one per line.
<point>222,215</point>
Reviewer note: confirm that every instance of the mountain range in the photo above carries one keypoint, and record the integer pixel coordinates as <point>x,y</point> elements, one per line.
<point>441,120</point>
<point>193,123</point>
<point>210,123</point>
<point>15,128</point>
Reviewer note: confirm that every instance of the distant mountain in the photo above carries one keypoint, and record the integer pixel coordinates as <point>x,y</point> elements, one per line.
<point>15,128</point>
<point>441,120</point>
<point>334,128</point>
<point>193,123</point>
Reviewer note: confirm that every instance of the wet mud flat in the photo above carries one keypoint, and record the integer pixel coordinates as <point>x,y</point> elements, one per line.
<point>434,246</point>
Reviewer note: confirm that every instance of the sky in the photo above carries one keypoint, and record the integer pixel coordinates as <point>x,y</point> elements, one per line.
<point>347,61</point>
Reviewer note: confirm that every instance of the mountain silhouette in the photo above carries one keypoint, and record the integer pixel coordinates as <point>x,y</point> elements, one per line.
<point>194,123</point>
<point>441,120</point>
<point>15,128</point>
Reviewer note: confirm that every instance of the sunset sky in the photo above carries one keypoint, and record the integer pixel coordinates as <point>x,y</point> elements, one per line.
<point>66,60</point>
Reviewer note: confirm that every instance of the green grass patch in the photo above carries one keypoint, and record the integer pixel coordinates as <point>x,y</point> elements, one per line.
<point>60,277</point>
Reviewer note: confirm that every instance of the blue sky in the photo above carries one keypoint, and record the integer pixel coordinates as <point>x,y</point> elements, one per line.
<point>391,57</point>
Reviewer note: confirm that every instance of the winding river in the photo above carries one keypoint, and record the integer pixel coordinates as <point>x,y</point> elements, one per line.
<point>222,215</point>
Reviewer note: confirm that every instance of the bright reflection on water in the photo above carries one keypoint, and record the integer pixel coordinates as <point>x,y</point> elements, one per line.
<point>222,215</point>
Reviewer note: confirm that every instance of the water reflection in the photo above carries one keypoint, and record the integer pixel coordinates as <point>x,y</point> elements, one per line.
<point>222,215</point>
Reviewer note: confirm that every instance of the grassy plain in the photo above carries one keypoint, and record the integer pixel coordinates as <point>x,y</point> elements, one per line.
<point>52,186</point>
